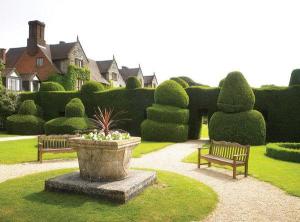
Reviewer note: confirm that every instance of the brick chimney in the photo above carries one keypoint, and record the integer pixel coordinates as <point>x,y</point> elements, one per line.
<point>36,36</point>
<point>2,55</point>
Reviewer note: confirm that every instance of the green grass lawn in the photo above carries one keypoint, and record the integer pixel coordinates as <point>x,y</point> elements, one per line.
<point>19,151</point>
<point>204,131</point>
<point>285,175</point>
<point>172,198</point>
<point>4,134</point>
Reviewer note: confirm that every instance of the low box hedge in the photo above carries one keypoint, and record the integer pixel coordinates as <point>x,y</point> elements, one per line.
<point>284,151</point>
<point>24,124</point>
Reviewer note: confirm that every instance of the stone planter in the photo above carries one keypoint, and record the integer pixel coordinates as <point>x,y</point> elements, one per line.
<point>104,160</point>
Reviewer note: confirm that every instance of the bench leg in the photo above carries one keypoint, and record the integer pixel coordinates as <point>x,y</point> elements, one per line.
<point>209,164</point>
<point>234,172</point>
<point>40,156</point>
<point>246,170</point>
<point>199,158</point>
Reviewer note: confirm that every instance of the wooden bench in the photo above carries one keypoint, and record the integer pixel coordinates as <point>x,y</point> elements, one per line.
<point>53,144</point>
<point>225,153</point>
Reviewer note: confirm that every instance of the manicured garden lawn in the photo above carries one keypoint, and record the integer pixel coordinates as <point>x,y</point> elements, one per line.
<point>172,198</point>
<point>19,151</point>
<point>285,175</point>
<point>204,131</point>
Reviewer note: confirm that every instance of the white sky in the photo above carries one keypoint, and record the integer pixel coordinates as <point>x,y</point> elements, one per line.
<point>201,39</point>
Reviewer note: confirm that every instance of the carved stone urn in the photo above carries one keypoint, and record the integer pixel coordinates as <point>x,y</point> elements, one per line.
<point>103,160</point>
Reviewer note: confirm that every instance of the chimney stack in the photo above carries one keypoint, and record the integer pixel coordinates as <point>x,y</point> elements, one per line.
<point>2,55</point>
<point>36,36</point>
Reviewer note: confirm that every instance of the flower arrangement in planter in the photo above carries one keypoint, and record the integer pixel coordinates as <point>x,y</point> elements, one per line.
<point>104,154</point>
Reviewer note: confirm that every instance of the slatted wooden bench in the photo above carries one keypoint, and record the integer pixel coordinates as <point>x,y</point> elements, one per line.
<point>53,144</point>
<point>225,153</point>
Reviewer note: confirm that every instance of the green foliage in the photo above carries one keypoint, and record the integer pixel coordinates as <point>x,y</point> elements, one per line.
<point>58,78</point>
<point>75,108</point>
<point>245,127</point>
<point>284,151</point>
<point>221,82</point>
<point>180,81</point>
<point>24,124</point>
<point>133,83</point>
<point>28,107</point>
<point>51,86</point>
<point>89,87</point>
<point>172,94</point>
<point>235,95</point>
<point>65,125</point>
<point>295,78</point>
<point>8,104</point>
<point>157,131</point>
<point>74,73</point>
<point>189,81</point>
<point>167,114</point>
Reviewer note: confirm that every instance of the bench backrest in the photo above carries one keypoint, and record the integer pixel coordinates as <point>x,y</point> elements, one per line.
<point>228,150</point>
<point>54,141</point>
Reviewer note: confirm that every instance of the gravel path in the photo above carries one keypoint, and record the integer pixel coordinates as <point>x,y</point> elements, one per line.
<point>16,138</point>
<point>244,199</point>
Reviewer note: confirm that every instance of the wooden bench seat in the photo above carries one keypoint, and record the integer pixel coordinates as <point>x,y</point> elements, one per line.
<point>53,144</point>
<point>225,153</point>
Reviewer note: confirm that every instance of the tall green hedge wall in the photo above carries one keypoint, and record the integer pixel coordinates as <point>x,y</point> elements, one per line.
<point>279,105</point>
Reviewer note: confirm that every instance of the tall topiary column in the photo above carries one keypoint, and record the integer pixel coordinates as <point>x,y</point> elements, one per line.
<point>167,119</point>
<point>237,121</point>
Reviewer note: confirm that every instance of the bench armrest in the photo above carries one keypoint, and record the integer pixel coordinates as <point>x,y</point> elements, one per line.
<point>202,148</point>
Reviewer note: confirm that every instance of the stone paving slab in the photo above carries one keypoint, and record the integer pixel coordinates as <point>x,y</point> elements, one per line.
<point>117,191</point>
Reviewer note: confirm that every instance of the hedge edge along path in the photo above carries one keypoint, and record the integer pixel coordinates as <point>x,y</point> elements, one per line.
<point>284,151</point>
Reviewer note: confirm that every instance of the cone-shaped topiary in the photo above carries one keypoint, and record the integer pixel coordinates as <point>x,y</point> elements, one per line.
<point>168,118</point>
<point>295,78</point>
<point>26,122</point>
<point>172,94</point>
<point>75,108</point>
<point>51,86</point>
<point>237,122</point>
<point>236,95</point>
<point>74,119</point>
<point>180,81</point>
<point>133,83</point>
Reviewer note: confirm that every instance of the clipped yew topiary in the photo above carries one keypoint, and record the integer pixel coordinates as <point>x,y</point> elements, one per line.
<point>133,83</point>
<point>73,121</point>
<point>26,122</point>
<point>51,86</point>
<point>180,81</point>
<point>295,78</point>
<point>172,94</point>
<point>167,119</point>
<point>89,87</point>
<point>237,121</point>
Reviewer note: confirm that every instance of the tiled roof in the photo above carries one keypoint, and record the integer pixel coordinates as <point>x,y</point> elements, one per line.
<point>8,71</point>
<point>62,50</point>
<point>127,72</point>
<point>148,79</point>
<point>104,65</point>
<point>12,56</point>
<point>95,72</point>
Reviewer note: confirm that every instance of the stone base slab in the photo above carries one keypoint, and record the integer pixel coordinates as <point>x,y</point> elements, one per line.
<point>117,191</point>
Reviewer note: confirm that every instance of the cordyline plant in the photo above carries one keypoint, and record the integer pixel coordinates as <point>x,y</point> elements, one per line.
<point>107,120</point>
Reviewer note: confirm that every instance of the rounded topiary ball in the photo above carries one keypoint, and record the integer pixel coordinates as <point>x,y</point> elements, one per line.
<point>246,128</point>
<point>133,83</point>
<point>295,78</point>
<point>75,108</point>
<point>181,82</point>
<point>28,107</point>
<point>51,86</point>
<point>236,95</point>
<point>90,87</point>
<point>171,93</point>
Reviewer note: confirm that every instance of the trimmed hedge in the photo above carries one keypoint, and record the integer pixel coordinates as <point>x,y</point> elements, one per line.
<point>172,94</point>
<point>180,81</point>
<point>24,124</point>
<point>221,82</point>
<point>51,86</point>
<point>133,83</point>
<point>167,114</point>
<point>89,87</point>
<point>284,151</point>
<point>236,95</point>
<point>28,107</point>
<point>171,132</point>
<point>75,108</point>
<point>65,125</point>
<point>246,128</point>
<point>295,78</point>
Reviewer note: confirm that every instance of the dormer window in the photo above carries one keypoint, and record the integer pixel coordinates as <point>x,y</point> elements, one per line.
<point>79,62</point>
<point>39,62</point>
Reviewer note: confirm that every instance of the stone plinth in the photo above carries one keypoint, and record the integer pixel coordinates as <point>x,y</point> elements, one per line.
<point>104,160</point>
<point>116,191</point>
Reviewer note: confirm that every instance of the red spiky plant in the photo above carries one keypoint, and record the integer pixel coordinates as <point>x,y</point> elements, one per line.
<point>106,120</point>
